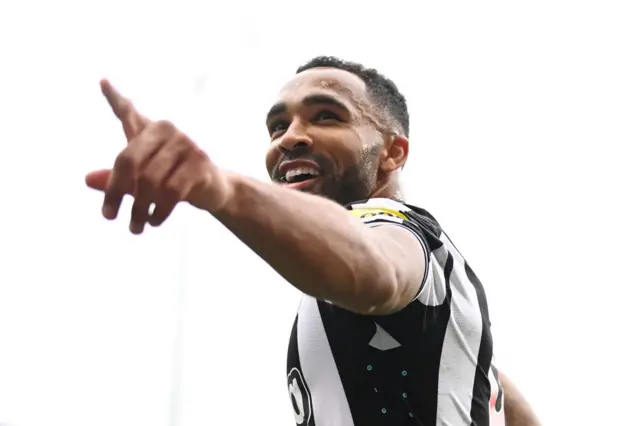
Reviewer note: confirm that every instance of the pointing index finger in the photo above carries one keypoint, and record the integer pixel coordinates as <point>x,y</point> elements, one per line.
<point>132,121</point>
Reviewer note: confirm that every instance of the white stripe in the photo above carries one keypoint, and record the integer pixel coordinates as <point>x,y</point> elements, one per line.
<point>435,289</point>
<point>330,405</point>
<point>461,346</point>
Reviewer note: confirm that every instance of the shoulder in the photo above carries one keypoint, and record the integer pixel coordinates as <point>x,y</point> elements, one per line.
<point>379,210</point>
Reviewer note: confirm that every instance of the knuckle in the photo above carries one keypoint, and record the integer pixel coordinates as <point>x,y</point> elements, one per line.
<point>165,126</point>
<point>172,191</point>
<point>146,182</point>
<point>125,161</point>
<point>199,155</point>
<point>183,143</point>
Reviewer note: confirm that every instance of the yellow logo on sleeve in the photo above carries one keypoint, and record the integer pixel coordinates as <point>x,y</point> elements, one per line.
<point>368,214</point>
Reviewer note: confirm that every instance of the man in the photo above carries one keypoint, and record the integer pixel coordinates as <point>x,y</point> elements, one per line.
<point>393,327</point>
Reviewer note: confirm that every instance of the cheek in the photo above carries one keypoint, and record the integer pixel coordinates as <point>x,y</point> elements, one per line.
<point>352,156</point>
<point>272,157</point>
<point>343,147</point>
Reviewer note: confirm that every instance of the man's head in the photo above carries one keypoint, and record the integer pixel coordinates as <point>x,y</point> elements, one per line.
<point>339,130</point>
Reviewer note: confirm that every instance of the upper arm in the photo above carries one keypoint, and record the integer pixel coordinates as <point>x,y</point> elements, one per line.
<point>404,249</point>
<point>517,410</point>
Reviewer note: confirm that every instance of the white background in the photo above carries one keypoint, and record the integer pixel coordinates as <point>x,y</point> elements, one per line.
<point>525,124</point>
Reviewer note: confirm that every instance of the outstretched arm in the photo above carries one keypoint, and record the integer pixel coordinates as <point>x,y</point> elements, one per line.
<point>314,243</point>
<point>324,251</point>
<point>518,412</point>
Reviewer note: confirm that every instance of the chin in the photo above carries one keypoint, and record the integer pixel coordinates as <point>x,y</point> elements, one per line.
<point>316,186</point>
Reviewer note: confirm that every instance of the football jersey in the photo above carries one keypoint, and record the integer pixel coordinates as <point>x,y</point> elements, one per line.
<point>427,364</point>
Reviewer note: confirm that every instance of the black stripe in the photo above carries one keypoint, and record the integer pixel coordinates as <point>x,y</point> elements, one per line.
<point>434,328</point>
<point>496,374</point>
<point>294,371</point>
<point>348,335</point>
<point>481,385</point>
<point>420,330</point>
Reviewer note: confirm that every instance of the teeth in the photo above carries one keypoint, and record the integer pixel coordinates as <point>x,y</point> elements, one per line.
<point>300,171</point>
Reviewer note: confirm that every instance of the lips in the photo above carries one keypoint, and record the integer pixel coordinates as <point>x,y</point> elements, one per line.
<point>302,185</point>
<point>298,173</point>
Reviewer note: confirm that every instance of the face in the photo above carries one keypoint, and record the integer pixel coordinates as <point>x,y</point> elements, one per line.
<point>325,137</point>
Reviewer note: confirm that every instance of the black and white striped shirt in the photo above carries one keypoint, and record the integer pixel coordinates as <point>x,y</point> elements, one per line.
<point>428,364</point>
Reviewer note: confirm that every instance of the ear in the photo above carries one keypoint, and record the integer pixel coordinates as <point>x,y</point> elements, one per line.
<point>395,153</point>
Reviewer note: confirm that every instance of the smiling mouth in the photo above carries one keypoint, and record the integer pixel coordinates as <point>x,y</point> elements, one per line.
<point>298,179</point>
<point>301,178</point>
<point>299,175</point>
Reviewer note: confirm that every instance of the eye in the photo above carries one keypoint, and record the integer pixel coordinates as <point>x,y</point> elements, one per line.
<point>278,127</point>
<point>325,115</point>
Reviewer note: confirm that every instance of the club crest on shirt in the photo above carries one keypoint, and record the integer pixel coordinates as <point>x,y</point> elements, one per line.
<point>300,398</point>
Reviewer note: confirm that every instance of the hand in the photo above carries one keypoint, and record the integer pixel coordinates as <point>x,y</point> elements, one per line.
<point>160,165</point>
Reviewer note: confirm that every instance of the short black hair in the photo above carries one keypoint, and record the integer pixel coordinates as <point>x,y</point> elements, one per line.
<point>382,90</point>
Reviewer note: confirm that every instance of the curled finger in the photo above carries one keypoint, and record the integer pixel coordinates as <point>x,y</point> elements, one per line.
<point>126,171</point>
<point>174,190</point>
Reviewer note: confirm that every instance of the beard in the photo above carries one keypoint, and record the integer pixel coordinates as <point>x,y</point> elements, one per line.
<point>355,183</point>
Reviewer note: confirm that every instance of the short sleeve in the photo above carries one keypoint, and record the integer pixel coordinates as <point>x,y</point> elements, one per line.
<point>385,212</point>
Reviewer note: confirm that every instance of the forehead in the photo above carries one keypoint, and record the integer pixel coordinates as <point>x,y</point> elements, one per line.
<point>335,82</point>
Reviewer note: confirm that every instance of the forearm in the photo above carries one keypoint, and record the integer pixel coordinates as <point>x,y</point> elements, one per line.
<point>518,412</point>
<point>314,243</point>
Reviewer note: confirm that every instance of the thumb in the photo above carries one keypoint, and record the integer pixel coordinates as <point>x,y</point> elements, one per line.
<point>98,179</point>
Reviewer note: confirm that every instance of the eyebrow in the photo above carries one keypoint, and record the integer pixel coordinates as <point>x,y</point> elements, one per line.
<point>311,100</point>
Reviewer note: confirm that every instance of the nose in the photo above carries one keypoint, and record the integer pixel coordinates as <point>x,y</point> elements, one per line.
<point>295,138</point>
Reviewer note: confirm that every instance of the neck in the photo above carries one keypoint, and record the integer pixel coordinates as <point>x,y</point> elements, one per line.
<point>389,189</point>
<point>395,194</point>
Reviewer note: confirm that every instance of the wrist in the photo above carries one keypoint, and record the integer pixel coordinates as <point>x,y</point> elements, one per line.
<point>223,194</point>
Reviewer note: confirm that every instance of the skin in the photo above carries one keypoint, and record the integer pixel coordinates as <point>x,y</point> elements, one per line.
<point>517,410</point>
<point>323,116</point>
<point>329,255</point>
